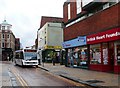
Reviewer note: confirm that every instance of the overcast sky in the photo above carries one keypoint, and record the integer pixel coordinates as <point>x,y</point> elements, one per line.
<point>25,16</point>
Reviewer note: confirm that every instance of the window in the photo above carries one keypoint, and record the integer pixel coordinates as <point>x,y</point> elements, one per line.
<point>8,36</point>
<point>3,45</point>
<point>79,6</point>
<point>8,27</point>
<point>19,55</point>
<point>106,6</point>
<point>3,27</point>
<point>85,2</point>
<point>95,54</point>
<point>68,11</point>
<point>3,36</point>
<point>105,53</point>
<point>117,52</point>
<point>45,39</point>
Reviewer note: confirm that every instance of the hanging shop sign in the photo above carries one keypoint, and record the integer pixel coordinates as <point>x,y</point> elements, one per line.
<point>106,36</point>
<point>75,42</point>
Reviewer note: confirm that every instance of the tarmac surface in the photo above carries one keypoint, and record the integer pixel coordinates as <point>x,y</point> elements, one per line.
<point>88,77</point>
<point>84,76</point>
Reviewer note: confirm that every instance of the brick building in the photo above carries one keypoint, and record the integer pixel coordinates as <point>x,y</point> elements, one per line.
<point>94,21</point>
<point>17,43</point>
<point>7,40</point>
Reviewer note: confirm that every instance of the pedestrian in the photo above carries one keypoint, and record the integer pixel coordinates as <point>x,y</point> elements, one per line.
<point>8,58</point>
<point>71,61</point>
<point>54,58</point>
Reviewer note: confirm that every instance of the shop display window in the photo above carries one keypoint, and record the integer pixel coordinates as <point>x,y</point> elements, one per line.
<point>105,53</point>
<point>95,54</point>
<point>77,56</point>
<point>83,56</point>
<point>117,52</point>
<point>80,56</point>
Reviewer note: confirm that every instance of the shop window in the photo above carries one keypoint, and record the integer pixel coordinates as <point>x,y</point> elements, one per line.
<point>117,52</point>
<point>78,56</point>
<point>105,53</point>
<point>95,54</point>
<point>69,55</point>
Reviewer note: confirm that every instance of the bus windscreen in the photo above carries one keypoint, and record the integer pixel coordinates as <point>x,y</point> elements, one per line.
<point>30,55</point>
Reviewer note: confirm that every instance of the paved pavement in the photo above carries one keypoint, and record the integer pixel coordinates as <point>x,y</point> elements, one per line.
<point>7,79</point>
<point>4,75</point>
<point>93,78</point>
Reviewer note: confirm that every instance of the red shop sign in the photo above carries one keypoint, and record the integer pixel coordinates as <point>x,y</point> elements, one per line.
<point>110,35</point>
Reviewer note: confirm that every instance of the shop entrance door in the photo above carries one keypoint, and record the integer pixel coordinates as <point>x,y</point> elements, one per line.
<point>111,56</point>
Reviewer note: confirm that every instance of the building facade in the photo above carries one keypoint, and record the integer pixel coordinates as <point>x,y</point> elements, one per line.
<point>17,43</point>
<point>50,38</point>
<point>97,21</point>
<point>7,40</point>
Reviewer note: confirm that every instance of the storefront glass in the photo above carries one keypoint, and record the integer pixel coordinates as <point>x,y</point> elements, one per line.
<point>105,53</point>
<point>95,54</point>
<point>117,52</point>
<point>77,56</point>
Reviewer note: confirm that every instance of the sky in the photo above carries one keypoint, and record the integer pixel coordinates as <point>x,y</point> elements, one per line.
<point>25,16</point>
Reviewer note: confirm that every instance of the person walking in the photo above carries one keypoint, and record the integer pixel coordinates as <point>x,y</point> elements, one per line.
<point>54,58</point>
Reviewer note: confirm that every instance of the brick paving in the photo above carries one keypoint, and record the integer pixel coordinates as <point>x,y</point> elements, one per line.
<point>84,75</point>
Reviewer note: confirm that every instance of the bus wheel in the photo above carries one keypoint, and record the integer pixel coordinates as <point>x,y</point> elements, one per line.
<point>22,64</point>
<point>36,66</point>
<point>15,63</point>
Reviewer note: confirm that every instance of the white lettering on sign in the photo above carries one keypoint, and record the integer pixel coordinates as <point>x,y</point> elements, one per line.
<point>105,36</point>
<point>100,37</point>
<point>113,35</point>
<point>91,39</point>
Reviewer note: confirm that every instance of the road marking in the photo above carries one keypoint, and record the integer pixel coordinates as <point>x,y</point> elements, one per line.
<point>20,79</point>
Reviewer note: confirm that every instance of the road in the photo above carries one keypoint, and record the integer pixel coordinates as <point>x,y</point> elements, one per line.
<point>32,76</point>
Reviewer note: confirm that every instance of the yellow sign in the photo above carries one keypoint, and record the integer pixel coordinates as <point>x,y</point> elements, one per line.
<point>53,47</point>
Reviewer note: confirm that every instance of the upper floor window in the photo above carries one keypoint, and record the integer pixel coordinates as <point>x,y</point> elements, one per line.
<point>85,2</point>
<point>8,36</point>
<point>106,6</point>
<point>3,36</point>
<point>69,11</point>
<point>8,27</point>
<point>3,27</point>
<point>3,45</point>
<point>79,6</point>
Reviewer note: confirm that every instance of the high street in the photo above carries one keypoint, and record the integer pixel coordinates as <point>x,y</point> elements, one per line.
<point>31,76</point>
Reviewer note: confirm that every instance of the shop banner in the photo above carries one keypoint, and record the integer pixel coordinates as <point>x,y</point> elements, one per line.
<point>106,36</point>
<point>75,42</point>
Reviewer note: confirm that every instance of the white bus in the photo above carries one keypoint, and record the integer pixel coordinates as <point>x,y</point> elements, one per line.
<point>26,57</point>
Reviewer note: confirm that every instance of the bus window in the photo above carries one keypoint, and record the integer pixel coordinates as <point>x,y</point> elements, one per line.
<point>21,55</point>
<point>30,56</point>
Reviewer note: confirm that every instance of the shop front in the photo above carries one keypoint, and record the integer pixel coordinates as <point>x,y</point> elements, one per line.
<point>77,52</point>
<point>7,54</point>
<point>104,51</point>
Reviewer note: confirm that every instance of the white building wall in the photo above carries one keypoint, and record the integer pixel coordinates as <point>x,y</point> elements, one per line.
<point>52,33</point>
